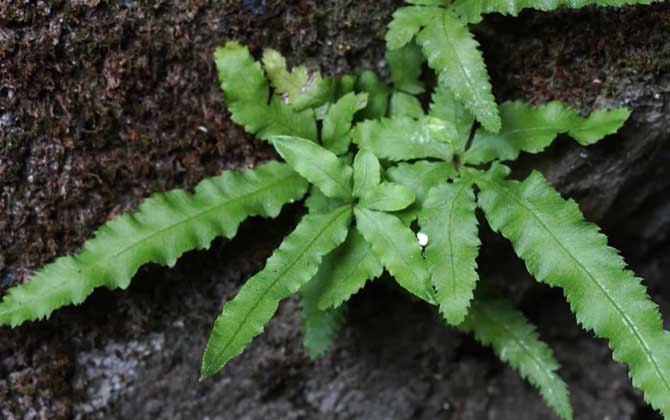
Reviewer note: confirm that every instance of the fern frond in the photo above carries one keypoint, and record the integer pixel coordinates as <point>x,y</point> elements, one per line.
<point>530,129</point>
<point>561,249</point>
<point>445,107</point>
<point>319,326</point>
<point>495,323</point>
<point>398,249</point>
<point>289,268</point>
<point>404,138</point>
<point>336,132</point>
<point>387,196</point>
<point>378,95</point>
<point>318,165</point>
<point>471,11</point>
<point>406,23</point>
<point>454,54</point>
<point>419,177</point>
<point>405,105</point>
<point>405,65</point>
<point>247,96</point>
<point>448,219</point>
<point>164,227</point>
<point>367,172</point>
<point>347,269</point>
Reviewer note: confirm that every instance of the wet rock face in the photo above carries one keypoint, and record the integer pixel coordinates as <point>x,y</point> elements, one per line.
<point>102,103</point>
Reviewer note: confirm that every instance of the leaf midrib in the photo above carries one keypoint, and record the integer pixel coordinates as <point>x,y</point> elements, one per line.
<point>629,324</point>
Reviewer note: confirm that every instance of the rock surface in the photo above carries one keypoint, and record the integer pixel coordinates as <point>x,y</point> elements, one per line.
<point>102,103</point>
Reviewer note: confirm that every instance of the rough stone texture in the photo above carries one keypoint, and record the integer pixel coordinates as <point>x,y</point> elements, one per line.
<point>102,103</point>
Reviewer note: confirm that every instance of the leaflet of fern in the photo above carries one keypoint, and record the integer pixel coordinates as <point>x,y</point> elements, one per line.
<point>495,323</point>
<point>419,177</point>
<point>445,107</point>
<point>561,249</point>
<point>367,172</point>
<point>530,129</point>
<point>318,165</point>
<point>336,132</point>
<point>319,326</point>
<point>454,54</point>
<point>448,219</point>
<point>289,268</point>
<point>350,266</point>
<point>471,11</point>
<point>406,23</point>
<point>164,227</point>
<point>398,249</point>
<point>400,138</point>
<point>405,65</point>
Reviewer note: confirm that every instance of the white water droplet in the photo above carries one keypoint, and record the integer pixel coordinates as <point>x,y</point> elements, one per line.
<point>422,238</point>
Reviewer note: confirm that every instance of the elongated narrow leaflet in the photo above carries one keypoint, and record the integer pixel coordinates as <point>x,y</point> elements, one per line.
<point>164,227</point>
<point>494,322</point>
<point>561,249</point>
<point>289,268</point>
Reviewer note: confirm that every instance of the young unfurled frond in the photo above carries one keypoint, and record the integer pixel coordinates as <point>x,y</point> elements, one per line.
<point>495,323</point>
<point>289,268</point>
<point>164,227</point>
<point>448,220</point>
<point>561,249</point>
<point>532,129</point>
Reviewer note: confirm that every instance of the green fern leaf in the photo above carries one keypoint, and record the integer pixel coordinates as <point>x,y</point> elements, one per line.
<point>448,219</point>
<point>398,249</point>
<point>289,268</point>
<point>406,23</point>
<point>318,202</point>
<point>405,105</point>
<point>454,54</point>
<point>419,177</point>
<point>244,86</point>
<point>471,11</point>
<point>563,250</point>
<point>247,94</point>
<point>378,95</point>
<point>367,172</point>
<point>445,107</point>
<point>532,129</point>
<point>335,134</point>
<point>495,323</point>
<point>164,227</point>
<point>387,196</point>
<point>347,269</point>
<point>301,88</point>
<point>320,326</point>
<point>404,138</point>
<point>405,65</point>
<point>318,165</point>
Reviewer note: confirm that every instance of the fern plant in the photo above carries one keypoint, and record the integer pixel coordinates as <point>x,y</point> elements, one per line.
<point>365,184</point>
